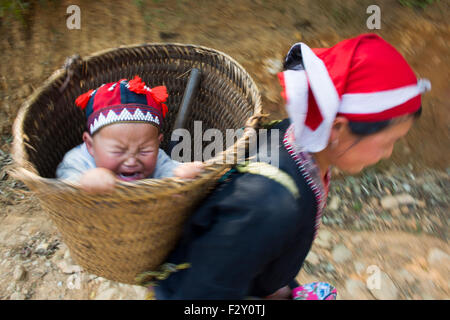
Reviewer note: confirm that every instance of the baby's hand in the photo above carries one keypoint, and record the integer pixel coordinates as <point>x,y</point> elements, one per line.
<point>98,180</point>
<point>189,170</point>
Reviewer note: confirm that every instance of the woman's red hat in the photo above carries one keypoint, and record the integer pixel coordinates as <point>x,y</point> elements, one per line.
<point>362,79</point>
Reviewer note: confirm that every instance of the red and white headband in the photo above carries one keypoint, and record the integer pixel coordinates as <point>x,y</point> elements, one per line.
<point>362,79</point>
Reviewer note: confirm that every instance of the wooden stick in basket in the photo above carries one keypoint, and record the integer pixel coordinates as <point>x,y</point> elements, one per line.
<point>186,102</point>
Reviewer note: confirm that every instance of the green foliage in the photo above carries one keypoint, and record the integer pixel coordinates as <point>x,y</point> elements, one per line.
<point>21,9</point>
<point>357,205</point>
<point>16,8</point>
<point>139,3</point>
<point>416,4</point>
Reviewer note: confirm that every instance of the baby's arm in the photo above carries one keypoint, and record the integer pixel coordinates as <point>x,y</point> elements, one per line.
<point>189,170</point>
<point>98,180</point>
<point>167,167</point>
<point>79,167</point>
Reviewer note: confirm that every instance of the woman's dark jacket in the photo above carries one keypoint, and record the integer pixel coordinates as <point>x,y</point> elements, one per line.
<point>250,237</point>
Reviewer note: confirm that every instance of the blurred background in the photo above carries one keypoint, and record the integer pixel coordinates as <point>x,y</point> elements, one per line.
<point>394,216</point>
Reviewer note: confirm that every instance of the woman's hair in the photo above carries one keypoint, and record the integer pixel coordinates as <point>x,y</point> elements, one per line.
<point>367,128</point>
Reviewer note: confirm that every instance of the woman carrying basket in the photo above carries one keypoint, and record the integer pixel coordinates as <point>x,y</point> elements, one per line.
<point>347,106</point>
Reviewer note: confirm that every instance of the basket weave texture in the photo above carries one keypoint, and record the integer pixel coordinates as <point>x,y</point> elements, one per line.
<point>122,234</point>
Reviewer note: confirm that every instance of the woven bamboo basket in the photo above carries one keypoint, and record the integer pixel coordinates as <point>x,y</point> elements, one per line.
<point>132,230</point>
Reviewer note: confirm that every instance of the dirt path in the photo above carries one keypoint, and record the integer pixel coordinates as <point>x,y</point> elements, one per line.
<point>35,264</point>
<point>385,257</point>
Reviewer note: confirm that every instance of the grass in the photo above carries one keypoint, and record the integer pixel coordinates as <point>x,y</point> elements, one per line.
<point>416,4</point>
<point>14,8</point>
<point>153,17</point>
<point>357,205</point>
<point>21,10</point>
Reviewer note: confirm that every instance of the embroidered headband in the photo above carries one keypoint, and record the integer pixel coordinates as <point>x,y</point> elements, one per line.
<point>123,101</point>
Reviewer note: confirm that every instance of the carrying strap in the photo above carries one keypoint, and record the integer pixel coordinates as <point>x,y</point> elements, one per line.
<point>265,169</point>
<point>270,124</point>
<point>149,278</point>
<point>271,172</point>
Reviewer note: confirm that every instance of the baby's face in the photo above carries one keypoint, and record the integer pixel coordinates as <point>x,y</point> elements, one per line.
<point>130,150</point>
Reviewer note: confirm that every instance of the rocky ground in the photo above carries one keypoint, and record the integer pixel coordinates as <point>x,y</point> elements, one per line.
<point>389,226</point>
<point>396,199</point>
<point>383,236</point>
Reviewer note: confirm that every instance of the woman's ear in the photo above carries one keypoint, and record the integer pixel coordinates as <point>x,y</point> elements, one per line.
<point>89,141</point>
<point>161,138</point>
<point>338,129</point>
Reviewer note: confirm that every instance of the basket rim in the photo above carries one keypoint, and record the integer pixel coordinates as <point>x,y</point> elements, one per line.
<point>25,171</point>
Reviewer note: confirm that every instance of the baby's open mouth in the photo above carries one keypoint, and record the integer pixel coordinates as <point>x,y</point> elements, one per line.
<point>130,176</point>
